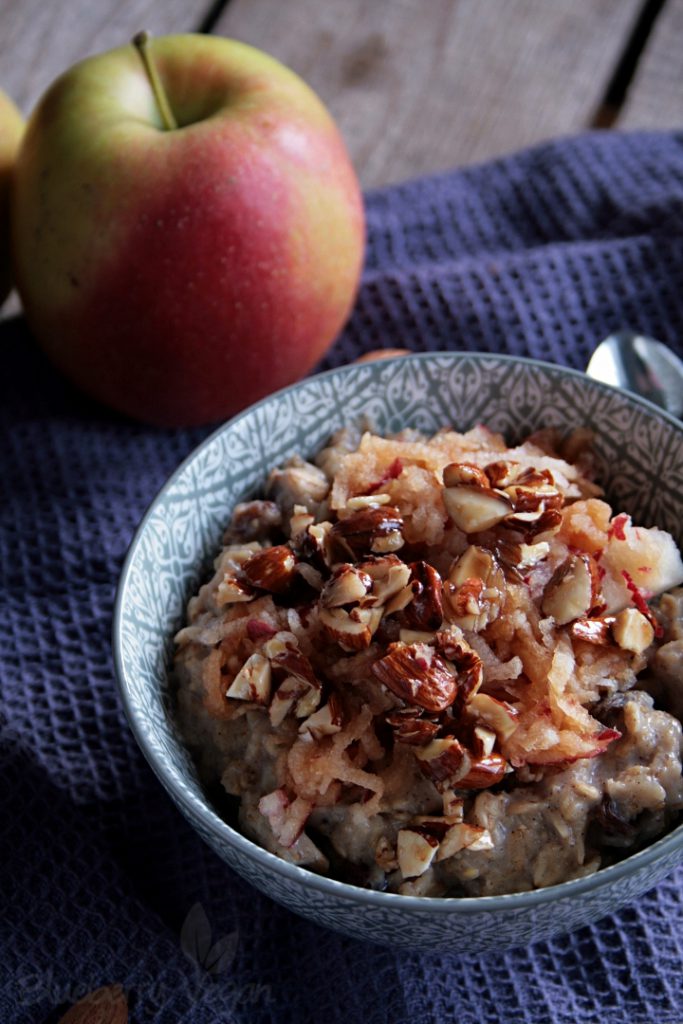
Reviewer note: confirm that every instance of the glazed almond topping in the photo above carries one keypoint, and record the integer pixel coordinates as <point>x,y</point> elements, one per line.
<point>352,630</point>
<point>369,531</point>
<point>416,674</point>
<point>272,569</point>
<point>419,659</point>
<point>573,591</point>
<point>633,631</point>
<point>415,851</point>
<point>498,715</point>
<point>252,682</point>
<point>425,610</point>
<point>347,585</point>
<point>475,589</point>
<point>474,508</point>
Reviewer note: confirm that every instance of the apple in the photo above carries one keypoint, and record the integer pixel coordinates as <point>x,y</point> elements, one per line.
<point>187,228</point>
<point>11,127</point>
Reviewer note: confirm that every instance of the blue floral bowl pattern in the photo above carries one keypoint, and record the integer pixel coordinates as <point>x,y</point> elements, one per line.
<point>640,454</point>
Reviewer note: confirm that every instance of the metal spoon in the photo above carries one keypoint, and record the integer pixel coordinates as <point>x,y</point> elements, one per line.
<point>642,365</point>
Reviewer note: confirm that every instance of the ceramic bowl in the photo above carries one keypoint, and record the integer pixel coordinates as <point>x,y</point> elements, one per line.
<point>640,453</point>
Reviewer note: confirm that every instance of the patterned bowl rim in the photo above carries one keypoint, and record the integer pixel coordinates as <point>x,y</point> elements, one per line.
<point>193,806</point>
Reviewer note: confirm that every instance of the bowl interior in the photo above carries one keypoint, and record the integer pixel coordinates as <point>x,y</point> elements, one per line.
<point>639,452</point>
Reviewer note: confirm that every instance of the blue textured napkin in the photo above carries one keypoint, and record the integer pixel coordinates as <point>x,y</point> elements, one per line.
<point>102,881</point>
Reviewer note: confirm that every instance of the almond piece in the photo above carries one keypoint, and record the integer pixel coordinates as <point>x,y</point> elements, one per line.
<point>470,677</point>
<point>484,740</point>
<point>444,759</point>
<point>531,476</point>
<point>369,531</point>
<point>299,522</point>
<point>462,836</point>
<point>388,543</point>
<point>475,589</point>
<point>367,501</point>
<point>287,694</point>
<point>106,1005</point>
<point>534,496</point>
<point>232,591</point>
<point>467,664</point>
<point>317,543</point>
<point>496,714</point>
<point>451,643</point>
<point>632,631</point>
<point>326,721</point>
<point>453,805</point>
<point>347,585</point>
<point>474,562</point>
<point>484,772</point>
<point>416,674</point>
<point>307,702</point>
<point>271,569</point>
<point>425,611</point>
<point>389,576</point>
<point>287,818</point>
<point>457,473</point>
<point>399,601</point>
<point>502,473</point>
<point>482,842</point>
<point>409,728</point>
<point>253,680</point>
<point>463,601</point>
<point>533,524</point>
<point>283,652</point>
<point>593,631</point>
<point>415,636</point>
<point>281,643</point>
<point>415,851</point>
<point>473,508</point>
<point>571,591</point>
<point>531,554</point>
<point>352,631</point>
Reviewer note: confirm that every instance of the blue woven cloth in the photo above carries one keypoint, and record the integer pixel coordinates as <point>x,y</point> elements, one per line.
<point>102,881</point>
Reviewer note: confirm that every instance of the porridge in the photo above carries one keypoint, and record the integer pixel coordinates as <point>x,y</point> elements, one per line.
<point>436,666</point>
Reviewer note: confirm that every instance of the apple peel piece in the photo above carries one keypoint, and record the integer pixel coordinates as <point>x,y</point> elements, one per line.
<point>650,557</point>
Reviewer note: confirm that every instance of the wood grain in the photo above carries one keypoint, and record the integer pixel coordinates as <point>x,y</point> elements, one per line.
<point>655,97</point>
<point>41,38</point>
<point>419,87</point>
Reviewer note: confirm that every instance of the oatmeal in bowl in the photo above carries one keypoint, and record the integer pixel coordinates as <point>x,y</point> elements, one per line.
<point>330,777</point>
<point>440,666</point>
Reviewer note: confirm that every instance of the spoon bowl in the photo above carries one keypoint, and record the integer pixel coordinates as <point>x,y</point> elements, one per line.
<point>641,365</point>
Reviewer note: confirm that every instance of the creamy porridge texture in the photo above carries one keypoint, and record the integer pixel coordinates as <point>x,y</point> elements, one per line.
<point>436,666</point>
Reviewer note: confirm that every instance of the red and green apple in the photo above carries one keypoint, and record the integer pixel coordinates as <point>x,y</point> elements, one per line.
<point>188,230</point>
<point>11,127</point>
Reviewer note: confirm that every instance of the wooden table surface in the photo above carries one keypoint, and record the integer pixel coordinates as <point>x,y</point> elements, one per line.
<point>416,85</point>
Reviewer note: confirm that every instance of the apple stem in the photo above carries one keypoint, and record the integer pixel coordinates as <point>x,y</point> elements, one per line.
<point>141,42</point>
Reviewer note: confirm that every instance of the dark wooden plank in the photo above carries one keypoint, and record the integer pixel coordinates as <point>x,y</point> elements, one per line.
<point>41,38</point>
<point>418,87</point>
<point>655,97</point>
